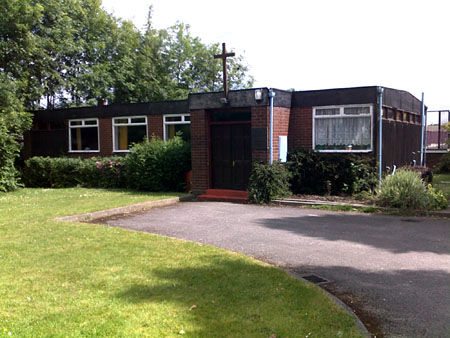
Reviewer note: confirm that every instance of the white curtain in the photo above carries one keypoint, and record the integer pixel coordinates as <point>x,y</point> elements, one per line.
<point>339,132</point>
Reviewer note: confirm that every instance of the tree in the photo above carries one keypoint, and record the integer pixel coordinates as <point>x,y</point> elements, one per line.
<point>72,52</point>
<point>13,123</point>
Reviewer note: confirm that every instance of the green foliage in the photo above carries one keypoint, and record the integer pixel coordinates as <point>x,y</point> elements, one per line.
<point>153,165</point>
<point>72,52</point>
<point>444,164</point>
<point>13,123</point>
<point>63,172</point>
<point>436,198</point>
<point>268,182</point>
<point>405,190</point>
<point>318,173</point>
<point>157,165</point>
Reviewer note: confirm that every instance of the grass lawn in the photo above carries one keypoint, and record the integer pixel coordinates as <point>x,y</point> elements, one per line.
<point>442,182</point>
<point>72,279</point>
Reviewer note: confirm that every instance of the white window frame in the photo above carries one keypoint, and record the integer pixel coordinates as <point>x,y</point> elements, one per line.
<point>129,123</point>
<point>182,121</point>
<point>342,115</point>
<point>83,125</point>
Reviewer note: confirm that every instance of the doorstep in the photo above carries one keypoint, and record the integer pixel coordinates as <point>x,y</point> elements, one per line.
<point>224,195</point>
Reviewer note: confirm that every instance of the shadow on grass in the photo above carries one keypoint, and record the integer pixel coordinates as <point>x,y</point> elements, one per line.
<point>235,298</point>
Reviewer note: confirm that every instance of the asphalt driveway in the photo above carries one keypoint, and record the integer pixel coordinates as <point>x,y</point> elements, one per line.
<point>394,271</point>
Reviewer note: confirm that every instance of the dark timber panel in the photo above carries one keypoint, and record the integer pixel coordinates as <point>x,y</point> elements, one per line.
<point>231,156</point>
<point>401,143</point>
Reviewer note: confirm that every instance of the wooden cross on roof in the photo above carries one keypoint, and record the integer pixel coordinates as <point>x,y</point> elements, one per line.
<point>224,57</point>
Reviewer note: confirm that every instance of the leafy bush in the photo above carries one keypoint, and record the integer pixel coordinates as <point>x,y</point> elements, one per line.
<point>406,190</point>
<point>104,172</point>
<point>63,172</point>
<point>268,182</point>
<point>13,123</point>
<point>157,165</point>
<point>444,164</point>
<point>319,173</point>
<point>436,198</point>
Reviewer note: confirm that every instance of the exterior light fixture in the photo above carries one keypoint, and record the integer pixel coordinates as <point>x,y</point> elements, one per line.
<point>258,94</point>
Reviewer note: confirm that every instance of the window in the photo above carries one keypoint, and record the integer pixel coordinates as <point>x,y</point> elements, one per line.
<point>343,128</point>
<point>128,130</point>
<point>179,124</point>
<point>83,135</point>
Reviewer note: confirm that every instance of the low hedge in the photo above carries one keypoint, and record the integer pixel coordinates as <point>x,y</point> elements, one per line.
<point>152,165</point>
<point>335,174</point>
<point>64,172</point>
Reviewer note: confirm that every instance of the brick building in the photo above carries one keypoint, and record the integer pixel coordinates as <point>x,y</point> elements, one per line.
<point>227,135</point>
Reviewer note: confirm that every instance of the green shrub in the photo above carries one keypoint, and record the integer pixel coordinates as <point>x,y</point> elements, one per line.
<point>436,198</point>
<point>64,172</point>
<point>320,173</point>
<point>157,165</point>
<point>103,172</point>
<point>405,190</point>
<point>268,182</point>
<point>13,123</point>
<point>444,164</point>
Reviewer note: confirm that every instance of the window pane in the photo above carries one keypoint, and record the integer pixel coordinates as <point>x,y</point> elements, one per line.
<point>121,121</point>
<point>84,139</point>
<point>357,110</point>
<point>340,133</point>
<point>75,123</point>
<point>138,120</point>
<point>187,118</point>
<point>327,111</point>
<point>173,118</point>
<point>183,130</point>
<point>125,136</point>
<point>90,122</point>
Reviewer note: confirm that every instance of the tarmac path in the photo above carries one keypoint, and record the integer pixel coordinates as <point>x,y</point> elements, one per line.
<point>393,271</point>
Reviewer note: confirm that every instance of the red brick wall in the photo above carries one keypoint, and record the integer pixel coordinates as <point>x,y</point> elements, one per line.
<point>155,126</point>
<point>280,127</point>
<point>200,151</point>
<point>106,137</point>
<point>260,119</point>
<point>300,129</point>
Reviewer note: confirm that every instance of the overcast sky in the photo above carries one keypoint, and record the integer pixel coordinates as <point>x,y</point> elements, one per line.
<point>318,44</point>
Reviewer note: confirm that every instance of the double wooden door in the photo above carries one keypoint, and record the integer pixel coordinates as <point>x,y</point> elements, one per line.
<point>231,155</point>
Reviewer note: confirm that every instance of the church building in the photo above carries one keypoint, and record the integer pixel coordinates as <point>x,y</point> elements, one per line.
<point>228,131</point>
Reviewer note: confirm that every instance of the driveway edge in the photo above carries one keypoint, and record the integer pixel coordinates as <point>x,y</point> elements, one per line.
<point>143,206</point>
<point>364,331</point>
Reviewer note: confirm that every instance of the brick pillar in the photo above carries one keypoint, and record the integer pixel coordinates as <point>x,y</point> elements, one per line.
<point>200,151</point>
<point>300,129</point>
<point>106,136</point>
<point>155,126</point>
<point>260,120</point>
<point>280,127</point>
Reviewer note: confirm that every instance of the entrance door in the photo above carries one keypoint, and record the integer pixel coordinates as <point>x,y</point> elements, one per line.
<point>231,155</point>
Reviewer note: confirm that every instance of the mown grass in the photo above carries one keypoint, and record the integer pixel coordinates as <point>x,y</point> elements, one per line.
<point>71,279</point>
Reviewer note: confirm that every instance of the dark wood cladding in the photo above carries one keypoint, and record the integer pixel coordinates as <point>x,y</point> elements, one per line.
<point>113,110</point>
<point>331,97</point>
<point>401,143</point>
<point>48,142</point>
<point>401,100</point>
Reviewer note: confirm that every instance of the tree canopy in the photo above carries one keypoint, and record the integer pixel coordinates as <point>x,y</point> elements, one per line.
<point>63,53</point>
